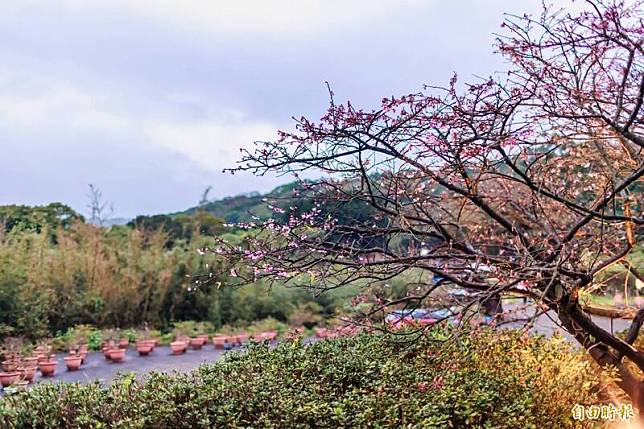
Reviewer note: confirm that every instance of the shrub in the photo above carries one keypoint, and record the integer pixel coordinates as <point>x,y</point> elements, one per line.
<point>94,339</point>
<point>487,379</point>
<point>192,328</point>
<point>119,277</point>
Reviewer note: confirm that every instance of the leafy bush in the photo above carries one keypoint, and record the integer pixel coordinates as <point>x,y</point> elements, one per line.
<point>124,278</point>
<point>130,334</point>
<point>487,379</point>
<point>193,328</point>
<point>267,324</point>
<point>79,334</point>
<point>164,338</point>
<point>94,339</point>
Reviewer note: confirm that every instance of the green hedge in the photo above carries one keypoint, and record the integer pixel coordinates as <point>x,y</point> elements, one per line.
<point>485,379</point>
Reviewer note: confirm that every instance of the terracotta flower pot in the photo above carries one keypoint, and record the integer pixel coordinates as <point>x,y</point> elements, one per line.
<point>204,336</point>
<point>219,341</point>
<point>106,353</point>
<point>10,365</point>
<point>262,337</point>
<point>8,378</point>
<point>47,369</point>
<point>82,350</point>
<point>196,343</point>
<point>185,341</point>
<point>107,347</point>
<point>144,347</point>
<point>144,350</point>
<point>321,333</point>
<point>73,362</point>
<point>30,362</point>
<point>343,331</point>
<point>117,355</point>
<point>123,343</point>
<point>177,347</point>
<point>242,338</point>
<point>27,373</point>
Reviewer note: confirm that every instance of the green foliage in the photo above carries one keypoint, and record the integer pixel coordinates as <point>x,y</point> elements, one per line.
<point>307,315</point>
<point>180,227</point>
<point>292,199</point>
<point>618,276</point>
<point>485,380</point>
<point>39,218</point>
<point>94,340</point>
<point>192,328</point>
<point>123,277</point>
<point>130,334</point>
<point>249,207</point>
<point>79,334</point>
<point>57,272</point>
<point>268,324</point>
<point>242,208</point>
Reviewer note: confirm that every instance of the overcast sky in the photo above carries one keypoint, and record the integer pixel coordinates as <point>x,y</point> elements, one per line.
<point>149,100</point>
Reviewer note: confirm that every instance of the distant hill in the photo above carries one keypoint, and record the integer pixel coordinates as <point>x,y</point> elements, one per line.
<point>116,221</point>
<point>248,207</point>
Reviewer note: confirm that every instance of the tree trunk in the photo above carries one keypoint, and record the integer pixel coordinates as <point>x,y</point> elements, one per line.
<point>569,315</point>
<point>493,305</point>
<point>615,313</point>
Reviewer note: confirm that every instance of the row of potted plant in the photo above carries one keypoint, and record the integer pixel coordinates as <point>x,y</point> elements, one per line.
<point>19,370</point>
<point>113,346</point>
<point>182,342</point>
<point>95,337</point>
<point>47,361</point>
<point>180,345</point>
<point>116,351</point>
<point>229,341</point>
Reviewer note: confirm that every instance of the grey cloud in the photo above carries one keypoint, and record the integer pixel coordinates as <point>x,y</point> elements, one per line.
<point>123,72</point>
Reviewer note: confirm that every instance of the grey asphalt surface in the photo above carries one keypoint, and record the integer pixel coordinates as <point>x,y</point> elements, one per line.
<point>548,324</point>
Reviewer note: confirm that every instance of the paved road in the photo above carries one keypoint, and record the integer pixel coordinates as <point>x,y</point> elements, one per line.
<point>547,324</point>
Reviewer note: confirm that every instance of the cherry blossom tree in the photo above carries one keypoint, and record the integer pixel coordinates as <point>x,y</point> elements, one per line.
<point>528,182</point>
